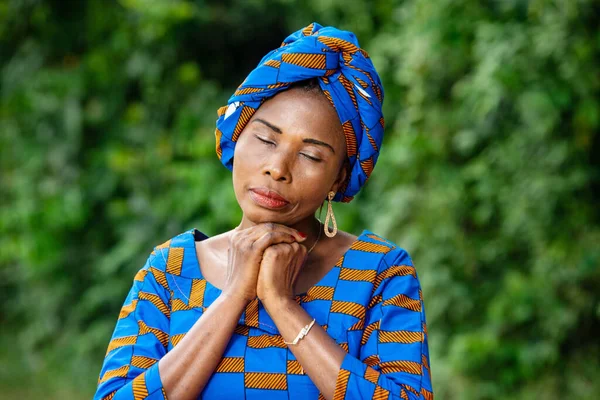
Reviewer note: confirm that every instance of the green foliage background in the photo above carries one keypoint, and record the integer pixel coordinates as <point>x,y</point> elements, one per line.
<point>489,175</point>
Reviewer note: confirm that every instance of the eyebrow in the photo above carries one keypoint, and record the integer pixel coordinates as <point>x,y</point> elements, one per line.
<point>307,140</point>
<point>276,129</point>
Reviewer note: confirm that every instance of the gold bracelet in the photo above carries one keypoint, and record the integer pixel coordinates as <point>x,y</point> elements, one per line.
<point>303,332</point>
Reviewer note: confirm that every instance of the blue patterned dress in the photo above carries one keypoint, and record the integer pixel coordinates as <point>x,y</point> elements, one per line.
<point>370,303</point>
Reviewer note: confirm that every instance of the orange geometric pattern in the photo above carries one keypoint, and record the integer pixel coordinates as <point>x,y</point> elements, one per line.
<point>404,301</point>
<point>369,247</point>
<point>175,339</point>
<point>266,340</point>
<point>218,136</point>
<point>220,112</point>
<point>179,305</point>
<point>120,342</point>
<point>347,274</point>
<point>157,301</point>
<point>380,393</point>
<point>373,143</point>
<point>231,364</point>
<point>305,60</point>
<point>248,91</point>
<point>373,324</point>
<point>160,277</point>
<point>367,166</point>
<point>410,367</point>
<point>140,391</point>
<point>142,362</point>
<point>377,299</point>
<point>120,372</point>
<point>410,389</point>
<point>294,367</point>
<point>140,275</point>
<point>369,329</point>
<point>174,261</point>
<point>278,85</point>
<point>242,330</point>
<point>265,380</point>
<point>372,375</point>
<point>349,308</point>
<point>128,309</point>
<point>351,146</point>
<point>345,346</point>
<point>427,394</point>
<point>379,239</point>
<point>307,31</point>
<point>349,86</point>
<point>358,326</point>
<point>362,83</point>
<point>372,360</point>
<point>341,385</point>
<point>110,396</point>
<point>245,115</point>
<point>252,313</point>
<point>339,45</point>
<point>197,292</point>
<point>273,63</point>
<point>400,336</point>
<point>394,270</point>
<point>162,337</point>
<point>318,293</point>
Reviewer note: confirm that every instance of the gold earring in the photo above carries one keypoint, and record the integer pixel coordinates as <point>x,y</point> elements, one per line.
<point>330,217</point>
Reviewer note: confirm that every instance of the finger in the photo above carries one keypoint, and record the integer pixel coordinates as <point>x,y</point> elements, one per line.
<point>273,238</point>
<point>274,227</point>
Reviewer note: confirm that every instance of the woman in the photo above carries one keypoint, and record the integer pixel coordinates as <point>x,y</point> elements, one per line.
<point>282,306</point>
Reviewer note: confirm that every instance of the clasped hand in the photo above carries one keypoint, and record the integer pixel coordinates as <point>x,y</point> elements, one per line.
<point>264,261</point>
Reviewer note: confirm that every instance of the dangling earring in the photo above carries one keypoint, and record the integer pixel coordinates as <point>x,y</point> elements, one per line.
<point>330,217</point>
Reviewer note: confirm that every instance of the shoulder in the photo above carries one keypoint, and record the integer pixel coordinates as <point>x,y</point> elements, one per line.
<point>396,275</point>
<point>172,255</point>
<point>380,251</point>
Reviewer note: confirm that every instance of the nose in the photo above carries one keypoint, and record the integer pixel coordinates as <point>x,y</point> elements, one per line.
<point>277,167</point>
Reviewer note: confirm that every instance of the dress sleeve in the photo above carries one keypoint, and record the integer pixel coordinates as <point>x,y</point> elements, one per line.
<point>394,355</point>
<point>140,339</point>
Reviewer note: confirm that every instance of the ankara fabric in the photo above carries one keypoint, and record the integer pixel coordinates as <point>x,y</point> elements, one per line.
<point>348,79</point>
<point>370,303</point>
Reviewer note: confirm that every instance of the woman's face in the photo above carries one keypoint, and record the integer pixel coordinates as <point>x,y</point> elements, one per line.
<point>288,157</point>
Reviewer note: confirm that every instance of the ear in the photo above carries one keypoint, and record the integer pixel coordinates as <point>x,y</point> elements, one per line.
<point>342,175</point>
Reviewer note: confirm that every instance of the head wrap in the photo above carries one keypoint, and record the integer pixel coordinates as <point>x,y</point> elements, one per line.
<point>348,79</point>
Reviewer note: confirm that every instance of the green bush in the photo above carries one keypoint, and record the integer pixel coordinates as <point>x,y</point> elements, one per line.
<point>489,175</point>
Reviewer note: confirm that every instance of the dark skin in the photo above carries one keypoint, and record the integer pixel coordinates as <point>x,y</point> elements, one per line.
<point>294,144</point>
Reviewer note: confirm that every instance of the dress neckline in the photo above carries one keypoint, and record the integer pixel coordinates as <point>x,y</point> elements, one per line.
<point>199,236</point>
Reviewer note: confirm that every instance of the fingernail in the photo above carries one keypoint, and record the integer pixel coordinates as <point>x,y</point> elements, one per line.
<point>302,234</point>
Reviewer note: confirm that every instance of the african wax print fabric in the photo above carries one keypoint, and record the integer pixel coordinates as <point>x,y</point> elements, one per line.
<point>370,303</point>
<point>348,79</point>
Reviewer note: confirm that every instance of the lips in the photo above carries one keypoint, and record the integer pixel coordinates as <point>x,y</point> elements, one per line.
<point>268,198</point>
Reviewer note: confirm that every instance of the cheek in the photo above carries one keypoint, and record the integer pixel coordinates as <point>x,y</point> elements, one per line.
<point>321,174</point>
<point>313,183</point>
<point>247,160</point>
<point>246,154</point>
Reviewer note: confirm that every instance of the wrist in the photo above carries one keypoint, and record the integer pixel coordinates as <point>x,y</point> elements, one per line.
<point>278,303</point>
<point>235,297</point>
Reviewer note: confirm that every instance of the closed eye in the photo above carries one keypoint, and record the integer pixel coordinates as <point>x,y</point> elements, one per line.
<point>263,140</point>
<point>268,142</point>
<point>311,158</point>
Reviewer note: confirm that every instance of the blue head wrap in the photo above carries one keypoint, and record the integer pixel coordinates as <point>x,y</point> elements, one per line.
<point>348,79</point>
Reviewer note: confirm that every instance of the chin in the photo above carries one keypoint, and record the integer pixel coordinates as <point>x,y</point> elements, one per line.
<point>259,215</point>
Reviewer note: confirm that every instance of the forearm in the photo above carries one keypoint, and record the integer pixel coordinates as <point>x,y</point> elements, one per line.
<point>186,369</point>
<point>318,353</point>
